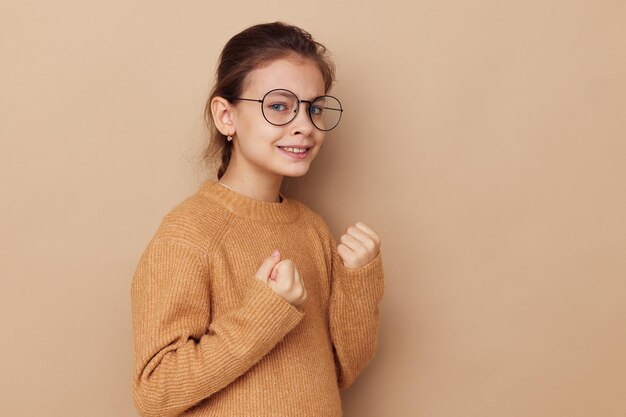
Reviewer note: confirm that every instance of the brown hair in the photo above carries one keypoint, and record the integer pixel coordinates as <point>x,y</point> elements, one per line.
<point>246,51</point>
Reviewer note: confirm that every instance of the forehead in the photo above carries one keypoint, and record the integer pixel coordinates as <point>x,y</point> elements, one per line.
<point>302,76</point>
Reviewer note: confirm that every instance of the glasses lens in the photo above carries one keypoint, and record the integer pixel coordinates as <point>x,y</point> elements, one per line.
<point>280,107</point>
<point>326,112</point>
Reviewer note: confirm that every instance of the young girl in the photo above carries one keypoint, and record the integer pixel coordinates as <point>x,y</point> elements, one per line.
<point>243,304</point>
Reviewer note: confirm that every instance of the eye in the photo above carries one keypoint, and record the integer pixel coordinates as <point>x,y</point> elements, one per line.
<point>316,110</point>
<point>277,106</point>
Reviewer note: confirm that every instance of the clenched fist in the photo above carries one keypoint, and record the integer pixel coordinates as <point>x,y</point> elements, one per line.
<point>283,278</point>
<point>359,245</point>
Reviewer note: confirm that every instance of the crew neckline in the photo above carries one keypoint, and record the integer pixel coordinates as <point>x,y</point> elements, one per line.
<point>250,208</point>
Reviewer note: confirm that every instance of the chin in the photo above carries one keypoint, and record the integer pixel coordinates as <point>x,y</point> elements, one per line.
<point>298,171</point>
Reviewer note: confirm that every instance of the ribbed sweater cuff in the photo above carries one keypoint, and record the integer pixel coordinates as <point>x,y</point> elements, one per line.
<point>271,317</point>
<point>365,283</point>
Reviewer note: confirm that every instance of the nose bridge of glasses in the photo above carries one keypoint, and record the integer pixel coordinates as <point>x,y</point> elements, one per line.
<point>307,102</point>
<point>297,104</point>
<point>307,114</point>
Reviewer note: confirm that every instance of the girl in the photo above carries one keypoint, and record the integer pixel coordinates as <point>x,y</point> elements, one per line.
<point>243,304</point>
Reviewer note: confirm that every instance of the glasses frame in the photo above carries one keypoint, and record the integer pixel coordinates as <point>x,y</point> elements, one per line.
<point>295,114</point>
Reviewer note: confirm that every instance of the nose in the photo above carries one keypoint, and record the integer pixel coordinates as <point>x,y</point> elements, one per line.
<point>302,123</point>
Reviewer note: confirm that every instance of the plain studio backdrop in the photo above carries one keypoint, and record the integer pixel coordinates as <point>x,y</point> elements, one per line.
<point>483,140</point>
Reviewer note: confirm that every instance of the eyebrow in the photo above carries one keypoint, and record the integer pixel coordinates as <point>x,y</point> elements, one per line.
<point>288,95</point>
<point>280,93</point>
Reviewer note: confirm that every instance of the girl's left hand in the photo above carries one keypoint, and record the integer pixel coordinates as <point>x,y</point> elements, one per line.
<point>359,245</point>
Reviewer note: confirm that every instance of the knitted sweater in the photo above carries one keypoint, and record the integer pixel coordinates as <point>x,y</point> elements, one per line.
<point>213,340</point>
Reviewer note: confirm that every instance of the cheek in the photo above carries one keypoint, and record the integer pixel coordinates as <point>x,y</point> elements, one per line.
<point>250,120</point>
<point>319,139</point>
<point>254,131</point>
<point>259,140</point>
<point>318,146</point>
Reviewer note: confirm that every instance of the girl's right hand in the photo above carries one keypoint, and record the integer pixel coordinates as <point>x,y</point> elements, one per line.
<point>283,278</point>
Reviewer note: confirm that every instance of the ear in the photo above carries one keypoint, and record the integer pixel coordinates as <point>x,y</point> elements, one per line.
<point>224,115</point>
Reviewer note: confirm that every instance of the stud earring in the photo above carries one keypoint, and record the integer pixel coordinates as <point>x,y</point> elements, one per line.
<point>229,138</point>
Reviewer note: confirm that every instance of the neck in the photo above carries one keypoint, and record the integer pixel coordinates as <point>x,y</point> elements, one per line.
<point>257,188</point>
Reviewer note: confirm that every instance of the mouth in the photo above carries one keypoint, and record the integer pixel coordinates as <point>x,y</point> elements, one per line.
<point>294,153</point>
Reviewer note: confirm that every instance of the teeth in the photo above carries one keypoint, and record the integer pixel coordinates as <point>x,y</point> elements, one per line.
<point>294,150</point>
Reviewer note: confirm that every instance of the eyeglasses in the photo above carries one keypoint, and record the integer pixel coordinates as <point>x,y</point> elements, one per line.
<point>280,107</point>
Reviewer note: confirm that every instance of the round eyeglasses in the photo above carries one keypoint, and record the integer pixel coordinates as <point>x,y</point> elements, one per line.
<point>281,106</point>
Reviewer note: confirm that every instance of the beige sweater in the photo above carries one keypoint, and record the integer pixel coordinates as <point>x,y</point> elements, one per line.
<point>213,340</point>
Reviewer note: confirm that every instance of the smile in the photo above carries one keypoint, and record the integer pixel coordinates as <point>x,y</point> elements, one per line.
<point>294,153</point>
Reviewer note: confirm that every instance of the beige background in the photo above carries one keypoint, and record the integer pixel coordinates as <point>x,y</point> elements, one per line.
<point>483,140</point>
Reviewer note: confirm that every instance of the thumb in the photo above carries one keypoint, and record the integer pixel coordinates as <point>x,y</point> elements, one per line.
<point>267,266</point>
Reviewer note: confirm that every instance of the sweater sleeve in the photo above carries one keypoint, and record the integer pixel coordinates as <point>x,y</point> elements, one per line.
<point>181,356</point>
<point>354,314</point>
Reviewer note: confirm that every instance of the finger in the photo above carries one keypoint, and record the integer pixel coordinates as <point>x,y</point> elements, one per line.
<point>284,268</point>
<point>368,230</point>
<point>267,266</point>
<point>344,252</point>
<point>300,282</point>
<point>365,238</point>
<point>351,242</point>
<point>296,276</point>
<point>359,234</point>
